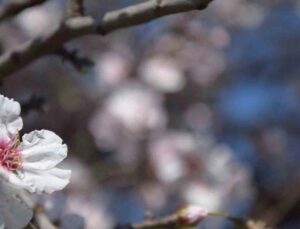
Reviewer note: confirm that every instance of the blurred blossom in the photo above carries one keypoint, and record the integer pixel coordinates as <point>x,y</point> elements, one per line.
<point>195,30</point>
<point>202,62</point>
<point>221,182</point>
<point>81,179</point>
<point>239,13</point>
<point>105,130</point>
<point>206,196</point>
<point>220,165</point>
<point>210,66</point>
<point>136,108</point>
<point>112,68</point>
<point>77,210</point>
<point>228,10</point>
<point>110,135</point>
<point>40,19</point>
<point>126,117</point>
<point>92,210</point>
<point>219,37</point>
<point>162,73</point>
<point>229,176</point>
<point>251,15</point>
<point>165,44</point>
<point>133,108</point>
<point>167,164</point>
<point>168,154</point>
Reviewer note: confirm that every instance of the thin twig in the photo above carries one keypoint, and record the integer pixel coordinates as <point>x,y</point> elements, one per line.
<point>49,43</point>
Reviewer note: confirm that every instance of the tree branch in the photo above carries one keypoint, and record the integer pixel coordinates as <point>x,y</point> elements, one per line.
<point>187,217</point>
<point>18,58</point>
<point>190,217</point>
<point>14,7</point>
<point>42,219</point>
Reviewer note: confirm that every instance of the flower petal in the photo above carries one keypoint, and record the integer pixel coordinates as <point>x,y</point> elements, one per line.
<point>42,150</point>
<point>41,181</point>
<point>14,212</point>
<point>10,120</point>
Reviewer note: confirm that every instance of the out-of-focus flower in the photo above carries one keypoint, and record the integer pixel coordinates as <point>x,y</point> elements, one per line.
<point>136,108</point>
<point>192,215</point>
<point>91,209</point>
<point>220,166</point>
<point>202,61</point>
<point>168,153</point>
<point>37,20</point>
<point>30,164</point>
<point>203,195</point>
<point>163,74</point>
<point>224,182</point>
<point>219,37</point>
<point>112,68</point>
<point>239,13</point>
<point>81,180</point>
<point>126,117</point>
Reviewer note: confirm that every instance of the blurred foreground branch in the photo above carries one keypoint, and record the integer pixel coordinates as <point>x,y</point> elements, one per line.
<point>171,222</point>
<point>192,216</point>
<point>74,27</point>
<point>42,219</point>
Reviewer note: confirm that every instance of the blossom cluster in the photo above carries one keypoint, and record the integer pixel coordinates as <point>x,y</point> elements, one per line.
<point>195,109</point>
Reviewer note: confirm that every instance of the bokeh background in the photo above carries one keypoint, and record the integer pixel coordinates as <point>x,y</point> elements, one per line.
<point>196,108</point>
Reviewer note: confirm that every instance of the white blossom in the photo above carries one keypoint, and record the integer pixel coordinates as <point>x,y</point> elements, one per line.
<point>31,163</point>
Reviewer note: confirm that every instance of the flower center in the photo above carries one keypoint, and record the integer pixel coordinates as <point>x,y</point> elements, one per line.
<point>10,157</point>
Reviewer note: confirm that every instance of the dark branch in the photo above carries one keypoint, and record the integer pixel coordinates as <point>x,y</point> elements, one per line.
<point>18,58</point>
<point>81,63</point>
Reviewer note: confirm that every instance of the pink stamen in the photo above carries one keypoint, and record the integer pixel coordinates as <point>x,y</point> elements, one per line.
<point>10,157</point>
